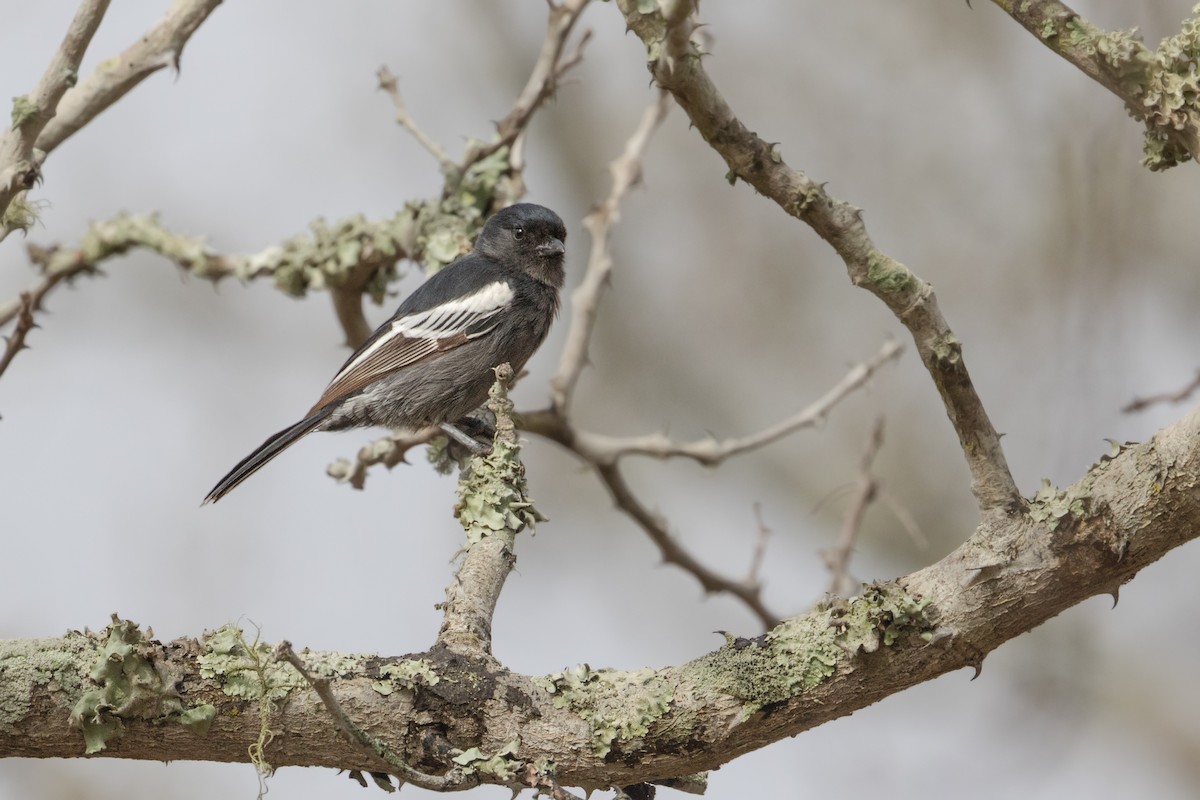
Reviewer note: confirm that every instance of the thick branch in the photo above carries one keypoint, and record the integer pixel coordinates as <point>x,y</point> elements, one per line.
<point>759,163</point>
<point>602,727</point>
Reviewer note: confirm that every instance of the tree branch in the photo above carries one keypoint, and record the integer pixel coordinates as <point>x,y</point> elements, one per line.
<point>31,113</point>
<point>710,451</point>
<point>15,342</point>
<point>760,163</point>
<point>1178,396</point>
<point>606,727</point>
<point>838,559</point>
<point>493,508</point>
<point>1159,87</point>
<point>626,173</point>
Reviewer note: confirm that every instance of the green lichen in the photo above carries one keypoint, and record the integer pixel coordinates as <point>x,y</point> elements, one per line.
<point>23,110</point>
<point>199,718</point>
<point>404,675</point>
<point>797,655</point>
<point>39,665</point>
<point>329,255</point>
<point>503,766</point>
<point>246,670</point>
<point>802,653</point>
<point>1052,505</point>
<point>884,614</point>
<point>888,276</point>
<point>21,214</point>
<point>492,495</point>
<point>947,348</point>
<point>1171,95</point>
<point>130,683</point>
<point>619,706</point>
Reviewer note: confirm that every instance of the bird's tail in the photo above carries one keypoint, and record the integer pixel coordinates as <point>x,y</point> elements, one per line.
<point>265,452</point>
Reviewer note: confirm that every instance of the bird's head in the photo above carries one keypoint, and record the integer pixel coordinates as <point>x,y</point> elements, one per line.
<point>528,236</point>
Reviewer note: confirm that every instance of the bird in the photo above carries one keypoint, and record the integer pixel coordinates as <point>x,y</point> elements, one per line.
<point>431,362</point>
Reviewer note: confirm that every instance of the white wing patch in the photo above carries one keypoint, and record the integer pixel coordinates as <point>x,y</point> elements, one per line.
<point>455,316</point>
<point>425,328</point>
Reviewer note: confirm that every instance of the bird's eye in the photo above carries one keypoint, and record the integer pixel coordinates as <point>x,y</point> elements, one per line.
<point>518,232</point>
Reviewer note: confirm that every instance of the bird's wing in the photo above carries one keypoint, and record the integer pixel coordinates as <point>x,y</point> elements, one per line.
<point>410,337</point>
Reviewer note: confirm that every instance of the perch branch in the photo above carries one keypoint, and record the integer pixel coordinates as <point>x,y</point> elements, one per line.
<point>1126,512</point>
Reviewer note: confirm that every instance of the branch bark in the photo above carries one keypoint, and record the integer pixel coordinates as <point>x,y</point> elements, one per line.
<point>1158,87</point>
<point>32,112</point>
<point>604,727</point>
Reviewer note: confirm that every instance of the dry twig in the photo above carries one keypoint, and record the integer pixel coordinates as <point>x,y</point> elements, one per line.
<point>15,342</point>
<point>626,173</point>
<point>1178,396</point>
<point>838,558</point>
<point>19,166</point>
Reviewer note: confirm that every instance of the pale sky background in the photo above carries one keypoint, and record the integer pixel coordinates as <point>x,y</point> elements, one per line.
<point>989,166</point>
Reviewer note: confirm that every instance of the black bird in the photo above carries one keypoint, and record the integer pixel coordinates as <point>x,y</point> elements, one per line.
<point>431,363</point>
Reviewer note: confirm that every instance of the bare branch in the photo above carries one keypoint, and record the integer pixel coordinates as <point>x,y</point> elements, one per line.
<point>626,173</point>
<point>760,548</point>
<point>760,163</point>
<point>1142,403</point>
<point>389,84</point>
<point>16,339</point>
<point>710,451</point>
<point>749,591</point>
<point>838,559</point>
<point>547,71</point>
<point>160,47</point>
<point>32,112</point>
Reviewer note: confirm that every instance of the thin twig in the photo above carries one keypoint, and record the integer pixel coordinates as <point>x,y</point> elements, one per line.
<point>838,559</point>
<point>389,84</point>
<point>760,548</point>
<point>1142,403</point>
<point>547,71</point>
<point>655,527</point>
<point>760,163</point>
<point>32,112</point>
<point>710,451</point>
<point>454,779</point>
<point>626,173</point>
<point>158,48</point>
<point>16,339</point>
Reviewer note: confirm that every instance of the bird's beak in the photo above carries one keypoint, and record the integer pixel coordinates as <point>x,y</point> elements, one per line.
<point>551,247</point>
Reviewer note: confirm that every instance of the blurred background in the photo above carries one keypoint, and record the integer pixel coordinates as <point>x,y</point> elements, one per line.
<point>988,165</point>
